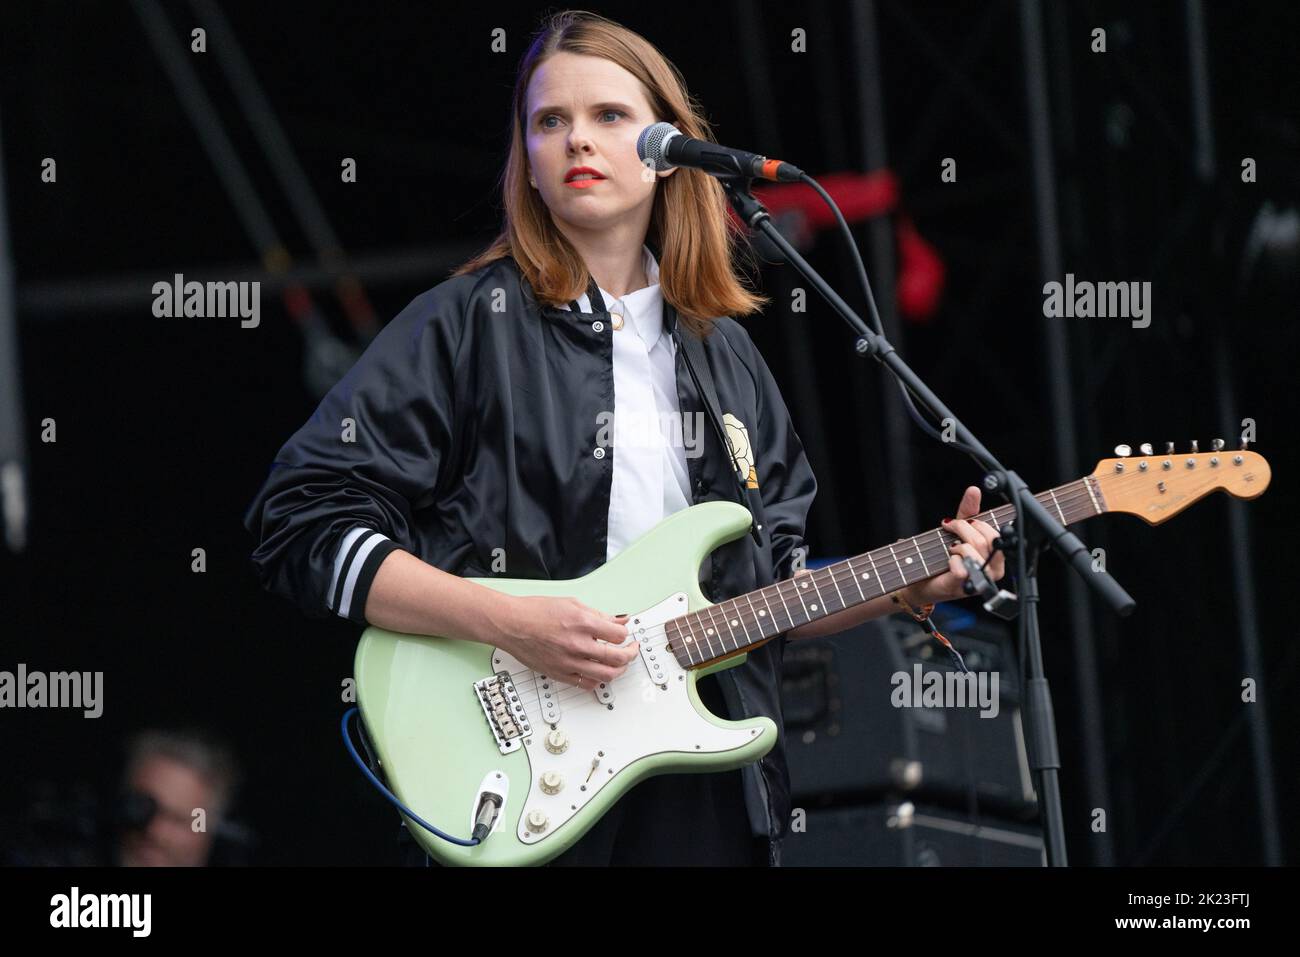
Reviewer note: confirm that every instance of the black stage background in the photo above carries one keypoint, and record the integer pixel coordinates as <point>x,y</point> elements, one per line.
<point>166,428</point>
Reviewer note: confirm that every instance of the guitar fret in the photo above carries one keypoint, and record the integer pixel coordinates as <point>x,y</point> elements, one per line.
<point>917,546</point>
<point>901,574</point>
<point>799,590</point>
<point>696,621</point>
<point>710,627</point>
<point>756,620</point>
<point>821,602</point>
<point>789,617</point>
<point>843,603</point>
<point>1058,507</point>
<point>942,544</point>
<point>731,623</point>
<point>689,639</point>
<point>876,571</point>
<point>762,592</point>
<point>853,573</point>
<point>732,619</point>
<point>694,641</point>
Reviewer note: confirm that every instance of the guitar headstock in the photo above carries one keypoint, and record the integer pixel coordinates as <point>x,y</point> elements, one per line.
<point>1155,487</point>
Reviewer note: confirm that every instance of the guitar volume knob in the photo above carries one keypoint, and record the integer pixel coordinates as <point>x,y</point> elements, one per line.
<point>557,742</point>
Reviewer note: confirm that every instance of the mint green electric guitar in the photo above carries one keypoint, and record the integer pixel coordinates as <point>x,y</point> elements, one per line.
<point>466,734</point>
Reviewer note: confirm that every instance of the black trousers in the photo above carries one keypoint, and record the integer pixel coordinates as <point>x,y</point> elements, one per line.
<point>670,820</point>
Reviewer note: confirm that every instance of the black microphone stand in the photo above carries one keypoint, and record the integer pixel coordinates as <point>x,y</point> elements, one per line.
<point>1034,525</point>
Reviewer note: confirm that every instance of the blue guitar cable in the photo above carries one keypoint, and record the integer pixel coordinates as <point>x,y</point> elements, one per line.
<point>347,741</point>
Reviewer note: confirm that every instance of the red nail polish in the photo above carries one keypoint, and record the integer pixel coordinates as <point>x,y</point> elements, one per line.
<point>947,520</point>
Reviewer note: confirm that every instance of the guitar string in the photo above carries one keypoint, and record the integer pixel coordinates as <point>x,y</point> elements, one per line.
<point>530,685</point>
<point>588,696</point>
<point>835,575</point>
<point>536,712</point>
<point>1069,495</point>
<point>732,614</point>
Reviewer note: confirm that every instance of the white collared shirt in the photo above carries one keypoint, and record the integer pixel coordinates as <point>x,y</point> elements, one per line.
<point>650,480</point>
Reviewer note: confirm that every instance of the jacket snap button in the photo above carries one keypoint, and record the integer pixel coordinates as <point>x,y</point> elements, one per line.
<point>599,453</point>
<point>597,326</point>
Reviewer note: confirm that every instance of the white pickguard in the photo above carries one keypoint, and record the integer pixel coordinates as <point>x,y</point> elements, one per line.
<point>646,718</point>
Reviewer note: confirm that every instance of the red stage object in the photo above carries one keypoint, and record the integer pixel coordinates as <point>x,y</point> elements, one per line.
<point>920,274</point>
<point>799,212</point>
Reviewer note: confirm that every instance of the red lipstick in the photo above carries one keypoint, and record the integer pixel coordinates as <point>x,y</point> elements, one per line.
<point>596,177</point>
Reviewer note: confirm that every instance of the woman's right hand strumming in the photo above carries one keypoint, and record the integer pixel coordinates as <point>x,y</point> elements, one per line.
<point>566,639</point>
<point>561,637</point>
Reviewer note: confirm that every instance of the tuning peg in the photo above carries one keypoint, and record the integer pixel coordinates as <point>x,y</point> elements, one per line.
<point>1216,445</point>
<point>1193,446</point>
<point>1123,451</point>
<point>1244,442</point>
<point>1145,448</point>
<point>1169,448</point>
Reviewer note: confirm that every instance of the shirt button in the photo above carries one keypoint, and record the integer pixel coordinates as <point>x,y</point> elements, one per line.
<point>597,326</point>
<point>599,453</point>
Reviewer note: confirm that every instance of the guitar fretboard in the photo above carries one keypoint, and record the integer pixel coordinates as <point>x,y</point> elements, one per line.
<point>740,623</point>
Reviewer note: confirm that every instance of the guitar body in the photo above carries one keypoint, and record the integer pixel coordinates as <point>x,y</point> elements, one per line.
<point>562,756</point>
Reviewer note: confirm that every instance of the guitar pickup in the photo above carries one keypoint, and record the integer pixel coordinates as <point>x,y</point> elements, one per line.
<point>548,697</point>
<point>653,657</point>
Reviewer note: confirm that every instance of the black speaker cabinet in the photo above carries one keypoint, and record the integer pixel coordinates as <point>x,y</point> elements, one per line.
<point>904,834</point>
<point>848,740</point>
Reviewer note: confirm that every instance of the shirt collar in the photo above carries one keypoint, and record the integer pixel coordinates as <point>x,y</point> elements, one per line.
<point>642,309</point>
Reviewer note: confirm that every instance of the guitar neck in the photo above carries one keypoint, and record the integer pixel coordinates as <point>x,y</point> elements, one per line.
<point>738,624</point>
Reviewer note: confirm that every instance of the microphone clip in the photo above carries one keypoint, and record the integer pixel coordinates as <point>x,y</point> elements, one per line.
<point>997,601</point>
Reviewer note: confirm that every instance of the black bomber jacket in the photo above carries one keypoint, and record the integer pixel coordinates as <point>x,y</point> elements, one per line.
<point>470,424</point>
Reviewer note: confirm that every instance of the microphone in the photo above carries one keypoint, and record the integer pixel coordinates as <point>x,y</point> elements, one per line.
<point>662,146</point>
